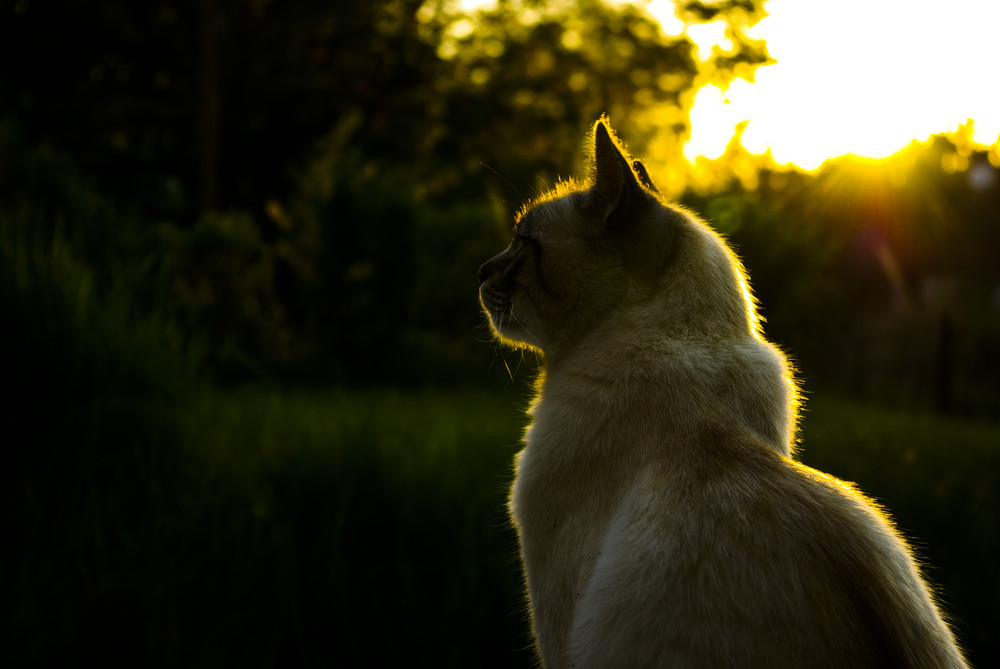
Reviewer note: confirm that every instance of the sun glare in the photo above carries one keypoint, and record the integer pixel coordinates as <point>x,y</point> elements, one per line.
<point>861,77</point>
<point>858,77</point>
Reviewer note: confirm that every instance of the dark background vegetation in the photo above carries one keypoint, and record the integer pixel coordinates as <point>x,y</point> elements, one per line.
<point>254,414</point>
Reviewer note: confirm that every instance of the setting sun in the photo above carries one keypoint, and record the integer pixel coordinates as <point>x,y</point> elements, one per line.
<point>855,77</point>
<point>859,77</point>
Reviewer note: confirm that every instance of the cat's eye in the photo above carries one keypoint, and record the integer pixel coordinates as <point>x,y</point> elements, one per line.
<point>525,239</point>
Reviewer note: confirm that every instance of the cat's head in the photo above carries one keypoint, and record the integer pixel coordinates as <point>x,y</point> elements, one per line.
<point>610,256</point>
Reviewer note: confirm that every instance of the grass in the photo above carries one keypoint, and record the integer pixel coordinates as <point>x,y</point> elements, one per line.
<point>359,528</point>
<point>387,513</point>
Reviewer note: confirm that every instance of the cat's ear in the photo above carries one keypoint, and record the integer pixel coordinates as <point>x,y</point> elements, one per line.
<point>615,186</point>
<point>640,171</point>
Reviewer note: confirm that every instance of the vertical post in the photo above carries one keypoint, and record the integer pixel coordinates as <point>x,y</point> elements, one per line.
<point>210,107</point>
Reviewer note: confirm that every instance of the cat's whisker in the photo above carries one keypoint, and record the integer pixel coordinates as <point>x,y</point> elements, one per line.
<point>505,180</point>
<point>496,350</point>
<point>521,324</point>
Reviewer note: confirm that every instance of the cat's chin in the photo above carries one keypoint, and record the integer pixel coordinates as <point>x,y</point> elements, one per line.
<point>516,339</point>
<point>506,326</point>
<point>510,331</point>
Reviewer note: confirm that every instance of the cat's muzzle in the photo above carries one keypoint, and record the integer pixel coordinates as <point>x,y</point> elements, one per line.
<point>495,302</point>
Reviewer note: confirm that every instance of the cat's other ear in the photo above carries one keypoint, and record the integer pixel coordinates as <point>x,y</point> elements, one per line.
<point>615,186</point>
<point>643,175</point>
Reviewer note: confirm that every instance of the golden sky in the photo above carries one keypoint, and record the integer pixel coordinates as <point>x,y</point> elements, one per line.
<point>864,77</point>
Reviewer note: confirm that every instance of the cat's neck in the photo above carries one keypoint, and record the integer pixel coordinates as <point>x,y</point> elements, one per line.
<point>742,384</point>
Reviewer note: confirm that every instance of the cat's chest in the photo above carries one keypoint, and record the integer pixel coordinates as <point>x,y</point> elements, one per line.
<point>567,480</point>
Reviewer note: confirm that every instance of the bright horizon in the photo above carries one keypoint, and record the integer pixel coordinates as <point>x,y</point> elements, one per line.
<point>855,77</point>
<point>861,77</point>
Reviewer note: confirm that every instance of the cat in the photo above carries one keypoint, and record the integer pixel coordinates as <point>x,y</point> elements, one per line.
<point>662,519</point>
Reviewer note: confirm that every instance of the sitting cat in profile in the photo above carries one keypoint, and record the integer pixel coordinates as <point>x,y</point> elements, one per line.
<point>662,520</point>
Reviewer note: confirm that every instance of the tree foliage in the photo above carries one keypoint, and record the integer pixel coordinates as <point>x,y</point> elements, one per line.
<point>310,186</point>
<point>293,158</point>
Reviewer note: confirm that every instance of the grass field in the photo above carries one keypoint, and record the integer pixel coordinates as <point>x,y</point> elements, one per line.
<point>366,528</point>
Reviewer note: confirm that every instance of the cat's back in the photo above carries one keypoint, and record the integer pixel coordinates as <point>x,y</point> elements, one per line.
<point>737,556</point>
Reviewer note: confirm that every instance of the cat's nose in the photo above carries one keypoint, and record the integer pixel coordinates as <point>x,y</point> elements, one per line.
<point>483,272</point>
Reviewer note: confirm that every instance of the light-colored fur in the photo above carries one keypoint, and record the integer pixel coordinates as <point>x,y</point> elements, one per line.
<point>663,522</point>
